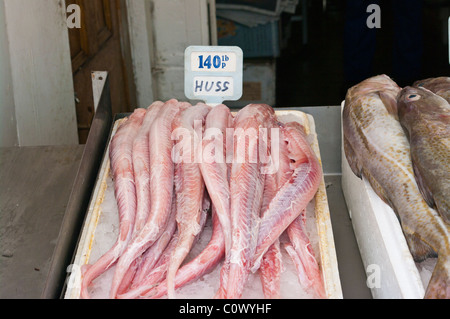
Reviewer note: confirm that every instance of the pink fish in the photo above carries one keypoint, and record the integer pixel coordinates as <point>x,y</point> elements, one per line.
<point>304,259</point>
<point>141,169</point>
<point>200,265</point>
<point>294,195</point>
<point>246,187</point>
<point>153,254</point>
<point>154,277</point>
<point>189,186</point>
<point>214,167</point>
<point>121,163</point>
<point>271,264</point>
<point>141,166</point>
<point>161,190</point>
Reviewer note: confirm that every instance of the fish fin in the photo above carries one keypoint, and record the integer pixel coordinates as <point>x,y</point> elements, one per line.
<point>352,158</point>
<point>439,285</point>
<point>442,206</point>
<point>378,189</point>
<point>424,190</point>
<point>389,102</point>
<point>419,249</point>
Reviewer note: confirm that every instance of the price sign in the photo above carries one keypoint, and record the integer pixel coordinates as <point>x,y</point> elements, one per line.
<point>213,74</point>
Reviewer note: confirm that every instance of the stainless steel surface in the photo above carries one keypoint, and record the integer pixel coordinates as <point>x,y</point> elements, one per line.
<point>80,196</point>
<point>35,184</point>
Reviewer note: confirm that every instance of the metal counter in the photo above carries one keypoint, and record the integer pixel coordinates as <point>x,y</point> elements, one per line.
<point>35,185</point>
<point>45,193</point>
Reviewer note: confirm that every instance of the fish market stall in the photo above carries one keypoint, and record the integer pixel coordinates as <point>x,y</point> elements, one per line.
<point>55,282</point>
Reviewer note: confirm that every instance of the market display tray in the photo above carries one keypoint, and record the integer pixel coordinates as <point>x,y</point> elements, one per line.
<point>101,225</point>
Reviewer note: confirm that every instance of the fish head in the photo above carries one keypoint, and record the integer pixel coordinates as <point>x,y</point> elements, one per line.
<point>413,102</point>
<point>437,84</point>
<point>382,85</point>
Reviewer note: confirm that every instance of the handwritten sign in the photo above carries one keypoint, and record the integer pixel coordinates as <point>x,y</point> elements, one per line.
<point>213,74</point>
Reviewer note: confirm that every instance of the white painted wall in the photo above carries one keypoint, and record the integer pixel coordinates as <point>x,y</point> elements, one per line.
<point>8,125</point>
<point>176,24</point>
<point>41,74</point>
<point>160,31</point>
<point>139,16</point>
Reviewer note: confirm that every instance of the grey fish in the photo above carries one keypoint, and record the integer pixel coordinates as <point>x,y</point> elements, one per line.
<point>426,119</point>
<point>438,85</point>
<point>377,148</point>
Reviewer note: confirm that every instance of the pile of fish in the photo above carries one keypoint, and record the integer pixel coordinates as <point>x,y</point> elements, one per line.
<point>174,165</point>
<point>399,140</point>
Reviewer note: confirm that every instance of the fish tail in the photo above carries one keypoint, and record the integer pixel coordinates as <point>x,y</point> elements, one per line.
<point>439,285</point>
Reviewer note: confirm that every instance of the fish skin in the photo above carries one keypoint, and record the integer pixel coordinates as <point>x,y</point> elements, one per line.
<point>377,148</point>
<point>121,163</point>
<point>438,85</point>
<point>161,190</point>
<point>246,187</point>
<point>294,195</point>
<point>426,118</point>
<point>189,188</point>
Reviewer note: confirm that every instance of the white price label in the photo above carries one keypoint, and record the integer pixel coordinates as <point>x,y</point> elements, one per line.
<point>213,73</point>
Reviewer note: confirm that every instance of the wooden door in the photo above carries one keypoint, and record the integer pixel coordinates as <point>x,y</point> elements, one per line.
<point>101,44</point>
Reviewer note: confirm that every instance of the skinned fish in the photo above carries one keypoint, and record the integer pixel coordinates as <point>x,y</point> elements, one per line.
<point>271,264</point>
<point>153,254</point>
<point>141,170</point>
<point>161,190</point>
<point>376,147</point>
<point>200,265</point>
<point>189,187</point>
<point>246,187</point>
<point>154,280</point>
<point>294,195</point>
<point>302,254</point>
<point>125,192</point>
<point>426,119</point>
<point>214,167</point>
<point>439,85</point>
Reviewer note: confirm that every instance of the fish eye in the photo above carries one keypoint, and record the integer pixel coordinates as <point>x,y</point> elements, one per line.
<point>413,97</point>
<point>420,85</point>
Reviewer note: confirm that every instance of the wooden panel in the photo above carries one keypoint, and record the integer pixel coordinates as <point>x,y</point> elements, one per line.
<point>106,48</point>
<point>78,40</point>
<point>103,25</point>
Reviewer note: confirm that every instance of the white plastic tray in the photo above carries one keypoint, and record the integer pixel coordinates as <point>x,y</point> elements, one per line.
<point>89,243</point>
